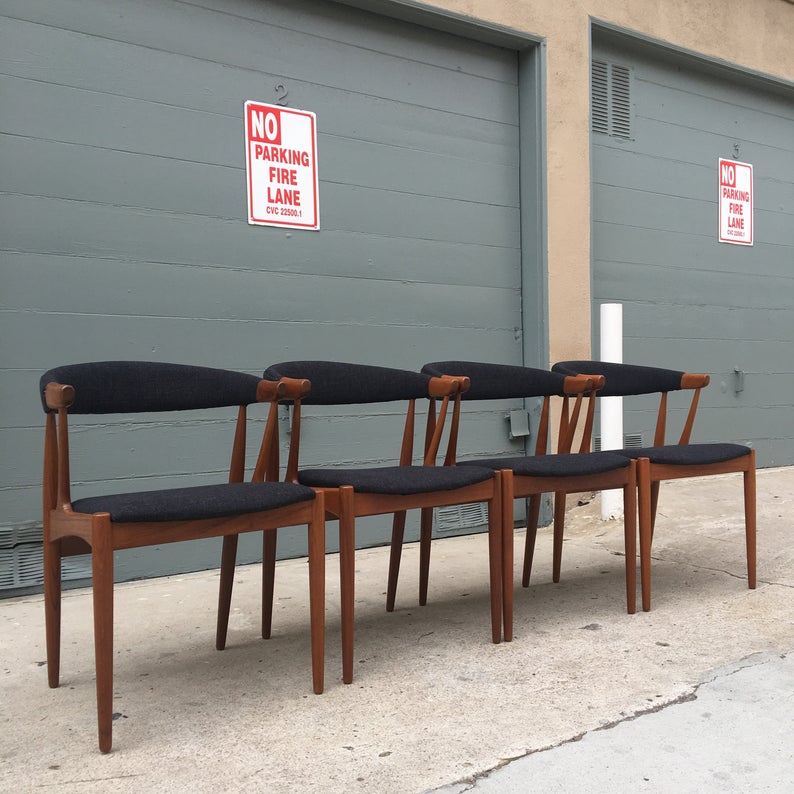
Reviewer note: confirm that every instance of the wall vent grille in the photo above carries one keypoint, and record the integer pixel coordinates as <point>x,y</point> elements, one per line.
<point>610,92</point>
<point>22,563</point>
<point>630,441</point>
<point>455,517</point>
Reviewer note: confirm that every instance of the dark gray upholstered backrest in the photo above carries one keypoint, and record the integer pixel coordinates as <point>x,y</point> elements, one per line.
<point>105,387</point>
<point>335,383</point>
<point>500,381</point>
<point>624,379</point>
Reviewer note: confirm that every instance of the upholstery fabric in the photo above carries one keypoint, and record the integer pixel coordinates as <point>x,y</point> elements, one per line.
<point>500,381</point>
<point>624,379</point>
<point>196,503</point>
<point>688,454</point>
<point>337,383</point>
<point>397,480</point>
<point>566,465</point>
<point>105,387</point>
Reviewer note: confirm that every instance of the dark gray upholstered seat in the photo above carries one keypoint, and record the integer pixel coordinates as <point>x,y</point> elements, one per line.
<point>535,473</point>
<point>664,461</point>
<point>565,465</point>
<point>102,524</point>
<point>402,480</point>
<point>688,454</point>
<point>195,503</point>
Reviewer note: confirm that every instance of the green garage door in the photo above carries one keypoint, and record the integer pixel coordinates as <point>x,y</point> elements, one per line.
<point>124,231</point>
<point>660,124</point>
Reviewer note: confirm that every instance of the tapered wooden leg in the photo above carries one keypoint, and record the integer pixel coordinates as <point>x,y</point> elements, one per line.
<point>559,528</point>
<point>533,515</point>
<point>317,593</point>
<point>630,538</point>
<point>655,487</point>
<point>425,539</point>
<point>395,555</point>
<point>269,540</point>
<point>102,572</point>
<point>228,560</point>
<point>507,553</point>
<point>644,504</point>
<point>496,558</point>
<point>749,520</point>
<point>347,575</point>
<point>52,608</point>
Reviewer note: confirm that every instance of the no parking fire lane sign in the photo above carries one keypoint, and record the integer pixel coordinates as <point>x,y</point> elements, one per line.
<point>736,202</point>
<point>281,166</point>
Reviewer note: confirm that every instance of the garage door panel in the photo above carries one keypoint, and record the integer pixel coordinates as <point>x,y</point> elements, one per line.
<point>273,52</point>
<point>682,215</point>
<point>618,244</point>
<point>123,224</point>
<point>687,179</point>
<point>239,345</point>
<point>116,233</point>
<point>158,291</point>
<point>685,284</point>
<point>406,170</point>
<point>691,302</point>
<point>674,107</point>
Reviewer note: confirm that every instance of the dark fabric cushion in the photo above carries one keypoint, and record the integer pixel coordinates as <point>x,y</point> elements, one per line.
<point>624,379</point>
<point>688,454</point>
<point>397,480</point>
<point>195,503</point>
<point>569,465</point>
<point>500,381</point>
<point>104,387</point>
<point>336,383</point>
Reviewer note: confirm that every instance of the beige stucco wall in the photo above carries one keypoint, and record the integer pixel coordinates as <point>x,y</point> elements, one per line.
<point>753,34</point>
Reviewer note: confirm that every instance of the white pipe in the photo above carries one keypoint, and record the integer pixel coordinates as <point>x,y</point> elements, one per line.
<point>611,407</point>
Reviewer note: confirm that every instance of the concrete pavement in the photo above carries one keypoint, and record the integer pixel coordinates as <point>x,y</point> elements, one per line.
<point>695,695</point>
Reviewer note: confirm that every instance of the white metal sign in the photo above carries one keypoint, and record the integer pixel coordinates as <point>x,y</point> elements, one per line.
<point>281,166</point>
<point>736,202</point>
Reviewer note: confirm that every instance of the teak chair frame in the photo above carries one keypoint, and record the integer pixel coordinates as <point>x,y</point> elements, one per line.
<point>573,392</point>
<point>651,473</point>
<point>68,533</point>
<point>345,504</point>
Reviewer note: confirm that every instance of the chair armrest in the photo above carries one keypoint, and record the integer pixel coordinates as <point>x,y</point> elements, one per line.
<point>448,385</point>
<point>58,395</point>
<point>283,389</point>
<point>581,384</point>
<point>691,380</point>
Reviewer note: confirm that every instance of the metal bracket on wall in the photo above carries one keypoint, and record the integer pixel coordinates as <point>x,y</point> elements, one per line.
<point>738,380</point>
<point>519,424</point>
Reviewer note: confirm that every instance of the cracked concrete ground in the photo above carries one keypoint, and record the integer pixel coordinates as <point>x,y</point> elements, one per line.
<point>695,695</point>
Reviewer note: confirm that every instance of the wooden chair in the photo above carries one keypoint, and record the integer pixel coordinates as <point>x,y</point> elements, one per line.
<point>534,475</point>
<point>351,493</point>
<point>100,525</point>
<point>672,461</point>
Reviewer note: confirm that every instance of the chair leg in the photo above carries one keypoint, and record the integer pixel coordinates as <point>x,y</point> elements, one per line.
<point>749,520</point>
<point>102,573</point>
<point>269,540</point>
<point>507,499</point>
<point>395,555</point>
<point>228,559</point>
<point>559,527</point>
<point>496,559</point>
<point>533,515</point>
<point>655,486</point>
<point>630,538</point>
<point>347,574</point>
<point>52,608</point>
<point>646,532</point>
<point>425,539</point>
<point>317,594</point>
